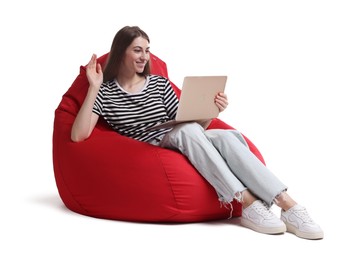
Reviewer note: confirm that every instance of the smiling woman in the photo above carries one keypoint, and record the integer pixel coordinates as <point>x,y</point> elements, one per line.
<point>131,100</point>
<point>116,177</point>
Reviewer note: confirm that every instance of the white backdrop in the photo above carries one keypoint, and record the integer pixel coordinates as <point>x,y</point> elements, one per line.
<point>284,63</point>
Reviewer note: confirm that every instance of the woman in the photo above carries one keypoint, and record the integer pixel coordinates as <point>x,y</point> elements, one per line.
<point>131,101</point>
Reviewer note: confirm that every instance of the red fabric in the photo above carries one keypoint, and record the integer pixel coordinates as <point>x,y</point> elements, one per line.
<point>114,177</point>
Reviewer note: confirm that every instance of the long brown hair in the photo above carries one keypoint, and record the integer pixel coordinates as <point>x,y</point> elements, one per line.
<point>123,38</point>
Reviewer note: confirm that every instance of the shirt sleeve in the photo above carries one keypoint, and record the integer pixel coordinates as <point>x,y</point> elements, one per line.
<point>98,104</point>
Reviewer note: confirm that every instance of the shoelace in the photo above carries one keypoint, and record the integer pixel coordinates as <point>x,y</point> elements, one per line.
<point>303,215</point>
<point>263,210</point>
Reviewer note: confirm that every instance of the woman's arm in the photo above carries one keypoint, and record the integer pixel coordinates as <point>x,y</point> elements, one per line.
<point>86,120</point>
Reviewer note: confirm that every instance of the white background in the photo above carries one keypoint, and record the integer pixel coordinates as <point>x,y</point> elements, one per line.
<point>284,63</point>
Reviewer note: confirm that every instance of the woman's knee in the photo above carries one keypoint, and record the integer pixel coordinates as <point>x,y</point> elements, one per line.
<point>226,135</point>
<point>180,133</point>
<point>214,134</point>
<point>191,128</point>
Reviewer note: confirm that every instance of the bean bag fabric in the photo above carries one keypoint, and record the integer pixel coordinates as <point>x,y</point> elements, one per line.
<point>115,177</point>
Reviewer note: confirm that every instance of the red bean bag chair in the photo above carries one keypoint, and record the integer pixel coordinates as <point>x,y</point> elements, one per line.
<point>111,176</point>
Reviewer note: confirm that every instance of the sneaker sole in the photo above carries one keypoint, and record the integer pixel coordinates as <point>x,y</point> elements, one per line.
<point>314,236</point>
<point>265,230</point>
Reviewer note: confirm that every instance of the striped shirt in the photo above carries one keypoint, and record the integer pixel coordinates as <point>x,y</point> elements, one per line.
<point>131,114</point>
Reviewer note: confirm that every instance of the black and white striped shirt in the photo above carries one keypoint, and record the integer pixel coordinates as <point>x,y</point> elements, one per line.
<point>131,114</point>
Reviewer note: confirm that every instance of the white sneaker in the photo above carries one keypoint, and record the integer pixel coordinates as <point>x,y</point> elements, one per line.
<point>298,222</point>
<point>259,218</point>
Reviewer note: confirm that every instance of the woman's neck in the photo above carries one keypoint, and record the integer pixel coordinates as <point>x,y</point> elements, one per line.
<point>133,84</point>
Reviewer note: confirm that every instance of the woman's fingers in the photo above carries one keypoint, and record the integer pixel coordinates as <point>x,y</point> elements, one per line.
<point>221,101</point>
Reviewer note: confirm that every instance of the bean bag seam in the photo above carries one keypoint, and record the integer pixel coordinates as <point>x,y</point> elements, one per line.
<point>169,183</point>
<point>56,149</point>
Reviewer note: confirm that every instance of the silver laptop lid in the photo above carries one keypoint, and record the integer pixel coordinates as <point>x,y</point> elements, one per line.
<point>197,97</point>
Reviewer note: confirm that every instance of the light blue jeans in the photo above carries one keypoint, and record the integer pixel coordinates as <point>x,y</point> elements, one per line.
<point>223,158</point>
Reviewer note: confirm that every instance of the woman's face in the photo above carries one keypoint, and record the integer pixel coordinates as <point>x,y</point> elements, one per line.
<point>136,56</point>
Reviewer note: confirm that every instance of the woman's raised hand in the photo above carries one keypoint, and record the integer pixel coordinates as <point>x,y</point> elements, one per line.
<point>94,72</point>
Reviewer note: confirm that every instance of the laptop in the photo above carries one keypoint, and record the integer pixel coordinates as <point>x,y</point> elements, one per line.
<point>196,101</point>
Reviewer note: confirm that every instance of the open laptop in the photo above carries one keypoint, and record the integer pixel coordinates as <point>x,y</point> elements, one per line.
<point>197,100</point>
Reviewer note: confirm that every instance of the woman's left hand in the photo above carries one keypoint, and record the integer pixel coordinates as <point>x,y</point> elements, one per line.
<point>221,101</point>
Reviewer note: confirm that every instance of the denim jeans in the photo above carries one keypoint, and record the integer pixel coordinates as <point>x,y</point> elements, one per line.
<point>223,158</point>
